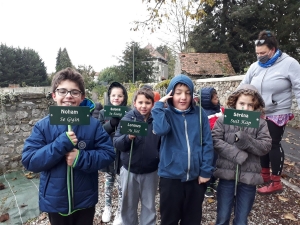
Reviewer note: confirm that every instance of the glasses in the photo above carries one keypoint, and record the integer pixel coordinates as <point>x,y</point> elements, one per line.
<point>259,42</point>
<point>64,92</point>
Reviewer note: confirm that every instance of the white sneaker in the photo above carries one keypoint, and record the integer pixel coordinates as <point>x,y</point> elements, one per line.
<point>118,219</point>
<point>106,214</point>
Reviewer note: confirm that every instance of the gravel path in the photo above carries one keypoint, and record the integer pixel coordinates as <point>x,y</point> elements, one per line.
<point>277,209</point>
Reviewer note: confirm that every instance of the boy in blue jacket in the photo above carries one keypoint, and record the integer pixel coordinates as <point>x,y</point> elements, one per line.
<point>68,161</point>
<point>186,154</point>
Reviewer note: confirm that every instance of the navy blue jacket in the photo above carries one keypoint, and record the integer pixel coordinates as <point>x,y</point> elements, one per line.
<point>44,151</point>
<point>145,151</point>
<point>206,103</point>
<point>182,156</point>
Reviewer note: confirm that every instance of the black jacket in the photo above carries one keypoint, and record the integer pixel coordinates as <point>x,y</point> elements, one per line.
<point>145,152</point>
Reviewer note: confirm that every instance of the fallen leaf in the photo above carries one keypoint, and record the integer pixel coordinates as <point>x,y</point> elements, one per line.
<point>210,200</point>
<point>4,217</point>
<point>43,216</point>
<point>281,198</point>
<point>289,163</point>
<point>289,216</point>
<point>2,186</point>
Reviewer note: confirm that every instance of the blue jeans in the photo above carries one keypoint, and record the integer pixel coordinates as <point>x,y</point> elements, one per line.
<point>242,203</point>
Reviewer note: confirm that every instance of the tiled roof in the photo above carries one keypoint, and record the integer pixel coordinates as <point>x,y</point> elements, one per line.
<point>205,64</point>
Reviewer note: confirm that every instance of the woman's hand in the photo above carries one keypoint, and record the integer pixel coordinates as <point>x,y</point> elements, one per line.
<point>166,97</point>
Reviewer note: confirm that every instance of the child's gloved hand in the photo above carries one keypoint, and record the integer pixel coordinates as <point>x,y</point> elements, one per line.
<point>114,121</point>
<point>72,137</point>
<point>241,135</point>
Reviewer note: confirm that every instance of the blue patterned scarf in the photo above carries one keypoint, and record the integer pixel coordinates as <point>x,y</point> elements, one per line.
<point>271,61</point>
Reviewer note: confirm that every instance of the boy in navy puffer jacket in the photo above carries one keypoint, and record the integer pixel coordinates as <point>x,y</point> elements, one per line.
<point>68,161</point>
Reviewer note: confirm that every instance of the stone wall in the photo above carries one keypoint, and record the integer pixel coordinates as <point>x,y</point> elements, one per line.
<point>226,85</point>
<point>20,111</point>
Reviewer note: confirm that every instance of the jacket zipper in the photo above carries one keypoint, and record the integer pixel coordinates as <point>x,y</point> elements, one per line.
<point>188,148</point>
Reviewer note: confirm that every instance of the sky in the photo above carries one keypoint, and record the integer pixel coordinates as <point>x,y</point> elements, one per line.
<point>94,32</point>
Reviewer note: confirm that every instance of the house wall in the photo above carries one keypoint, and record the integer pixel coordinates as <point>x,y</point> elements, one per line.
<point>161,72</point>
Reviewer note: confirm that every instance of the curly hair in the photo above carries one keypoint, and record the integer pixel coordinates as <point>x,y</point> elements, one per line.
<point>233,98</point>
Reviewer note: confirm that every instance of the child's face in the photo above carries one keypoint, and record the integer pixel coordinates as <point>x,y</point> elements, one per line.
<point>215,99</point>
<point>182,97</point>
<point>116,96</point>
<point>245,102</point>
<point>143,105</point>
<point>67,100</point>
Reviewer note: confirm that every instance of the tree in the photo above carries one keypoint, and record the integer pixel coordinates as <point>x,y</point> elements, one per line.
<point>21,66</point>
<point>63,60</point>
<point>136,64</point>
<point>88,74</point>
<point>232,26</point>
<point>157,14</point>
<point>111,74</point>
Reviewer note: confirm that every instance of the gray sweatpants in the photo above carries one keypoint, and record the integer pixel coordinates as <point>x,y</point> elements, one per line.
<point>140,187</point>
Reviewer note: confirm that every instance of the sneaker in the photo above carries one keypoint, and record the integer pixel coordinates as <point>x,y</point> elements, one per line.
<point>118,219</point>
<point>106,214</point>
<point>209,193</point>
<point>214,186</point>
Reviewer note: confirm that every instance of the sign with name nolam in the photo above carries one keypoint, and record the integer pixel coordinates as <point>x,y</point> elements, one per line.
<point>115,111</point>
<point>243,118</point>
<point>134,128</point>
<point>69,115</point>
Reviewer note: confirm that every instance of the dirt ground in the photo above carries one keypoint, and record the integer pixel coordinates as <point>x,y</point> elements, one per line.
<point>279,209</point>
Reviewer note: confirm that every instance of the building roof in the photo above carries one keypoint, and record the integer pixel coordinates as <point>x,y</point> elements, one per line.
<point>154,53</point>
<point>205,64</point>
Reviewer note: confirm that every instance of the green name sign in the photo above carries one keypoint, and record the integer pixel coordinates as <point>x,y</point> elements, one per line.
<point>134,128</point>
<point>69,115</point>
<point>115,111</point>
<point>241,118</point>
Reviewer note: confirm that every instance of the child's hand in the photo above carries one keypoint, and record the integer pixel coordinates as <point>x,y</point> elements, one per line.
<point>202,180</point>
<point>131,137</point>
<point>72,137</point>
<point>71,156</point>
<point>165,98</point>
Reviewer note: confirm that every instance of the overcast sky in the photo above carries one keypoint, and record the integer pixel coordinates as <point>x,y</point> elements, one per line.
<point>92,31</point>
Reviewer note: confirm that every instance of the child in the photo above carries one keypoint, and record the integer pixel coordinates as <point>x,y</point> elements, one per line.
<point>243,147</point>
<point>211,105</point>
<point>117,95</point>
<point>58,154</point>
<point>141,183</point>
<point>186,153</point>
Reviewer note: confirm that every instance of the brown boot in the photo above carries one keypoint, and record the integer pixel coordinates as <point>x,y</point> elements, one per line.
<point>274,187</point>
<point>265,173</point>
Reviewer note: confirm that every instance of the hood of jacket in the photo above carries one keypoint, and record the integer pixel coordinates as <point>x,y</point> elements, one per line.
<point>117,85</point>
<point>176,80</point>
<point>206,104</point>
<point>88,102</point>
